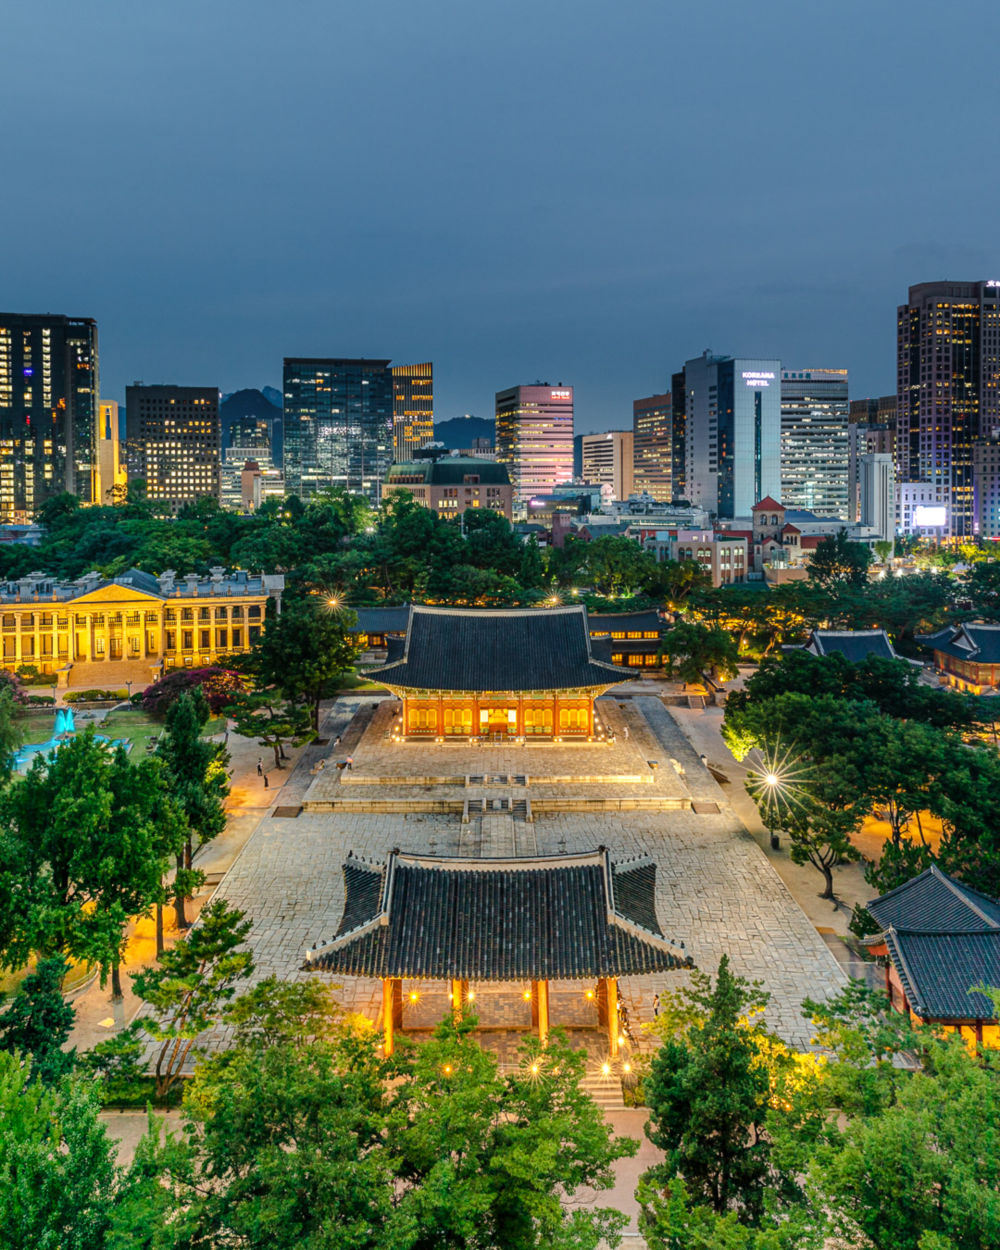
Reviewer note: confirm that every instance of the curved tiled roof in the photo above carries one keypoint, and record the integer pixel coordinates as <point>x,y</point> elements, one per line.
<point>976,642</point>
<point>605,622</point>
<point>934,902</point>
<point>491,649</point>
<point>938,971</point>
<point>853,644</point>
<point>564,918</point>
<point>382,620</point>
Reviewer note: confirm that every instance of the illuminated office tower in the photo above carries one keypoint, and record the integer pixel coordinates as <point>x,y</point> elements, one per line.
<point>814,441</point>
<point>652,451</point>
<point>534,437</point>
<point>48,410</point>
<point>732,433</point>
<point>172,442</point>
<point>109,472</point>
<point>948,389</point>
<point>871,431</point>
<point>412,409</point>
<point>338,422</point>
<point>678,437</point>
<point>607,461</point>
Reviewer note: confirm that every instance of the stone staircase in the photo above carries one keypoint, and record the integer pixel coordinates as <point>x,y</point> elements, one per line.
<point>606,1091</point>
<point>110,675</point>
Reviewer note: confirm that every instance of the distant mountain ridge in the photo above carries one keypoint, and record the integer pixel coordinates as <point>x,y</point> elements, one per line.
<point>461,431</point>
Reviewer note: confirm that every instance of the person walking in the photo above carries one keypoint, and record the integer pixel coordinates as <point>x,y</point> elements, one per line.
<point>350,763</point>
<point>265,780</point>
<point>336,742</point>
<point>260,768</point>
<point>625,732</point>
<point>656,1005</point>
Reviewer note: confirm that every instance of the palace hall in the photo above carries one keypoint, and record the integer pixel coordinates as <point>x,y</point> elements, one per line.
<point>497,675</point>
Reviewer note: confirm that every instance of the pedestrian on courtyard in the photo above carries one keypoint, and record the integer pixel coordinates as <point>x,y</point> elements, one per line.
<point>336,742</point>
<point>656,1005</point>
<point>625,732</point>
<point>350,762</point>
<point>265,780</point>
<point>260,768</point>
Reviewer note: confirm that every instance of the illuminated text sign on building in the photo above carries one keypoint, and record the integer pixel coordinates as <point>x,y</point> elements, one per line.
<point>993,283</point>
<point>562,394</point>
<point>757,378</point>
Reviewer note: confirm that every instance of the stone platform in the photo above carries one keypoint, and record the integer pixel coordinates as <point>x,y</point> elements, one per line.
<point>715,890</point>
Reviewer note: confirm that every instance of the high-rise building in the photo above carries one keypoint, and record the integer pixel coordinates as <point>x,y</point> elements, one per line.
<point>678,437</point>
<point>880,410</point>
<point>814,441</point>
<point>534,433</point>
<point>865,440</point>
<point>338,424</point>
<point>109,472</point>
<point>986,487</point>
<point>413,408</point>
<point>49,386</point>
<point>652,451</point>
<point>249,442</point>
<point>878,494</point>
<point>172,441</point>
<point>948,388</point>
<point>607,461</point>
<point>732,445</point>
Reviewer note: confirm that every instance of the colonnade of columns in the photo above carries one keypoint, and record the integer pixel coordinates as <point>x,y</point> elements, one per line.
<point>607,1009</point>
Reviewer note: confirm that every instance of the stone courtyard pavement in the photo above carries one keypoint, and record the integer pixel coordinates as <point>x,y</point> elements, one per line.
<point>715,892</point>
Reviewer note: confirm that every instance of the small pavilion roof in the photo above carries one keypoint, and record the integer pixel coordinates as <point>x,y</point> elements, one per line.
<point>568,917</point>
<point>382,619</point>
<point>932,902</point>
<point>854,645</point>
<point>767,504</point>
<point>974,641</point>
<point>491,649</point>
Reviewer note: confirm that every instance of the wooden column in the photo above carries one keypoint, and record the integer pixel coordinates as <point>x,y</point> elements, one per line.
<point>459,997</point>
<point>612,998</point>
<point>540,1009</point>
<point>392,1010</point>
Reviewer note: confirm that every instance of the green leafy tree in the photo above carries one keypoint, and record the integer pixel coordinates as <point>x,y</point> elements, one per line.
<point>84,842</point>
<point>709,1095</point>
<point>59,1185</point>
<point>37,1021</point>
<point>272,722</point>
<point>190,986</point>
<point>305,651</point>
<point>618,565</point>
<point>198,783</point>
<point>906,1161</point>
<point>837,559</point>
<point>691,650</point>
<point>11,733</point>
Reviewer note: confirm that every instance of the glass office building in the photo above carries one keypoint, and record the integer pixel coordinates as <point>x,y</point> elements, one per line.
<point>534,433</point>
<point>49,389</point>
<point>732,446</point>
<point>652,452</point>
<point>815,443</point>
<point>413,408</point>
<point>338,424</point>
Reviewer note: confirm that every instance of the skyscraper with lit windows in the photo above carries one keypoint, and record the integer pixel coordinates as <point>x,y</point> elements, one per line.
<point>534,437</point>
<point>49,386</point>
<point>338,424</point>
<point>947,389</point>
<point>412,408</point>
<point>652,446</point>
<point>814,441</point>
<point>172,442</point>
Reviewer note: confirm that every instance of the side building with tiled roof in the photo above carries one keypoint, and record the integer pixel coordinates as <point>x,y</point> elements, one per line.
<point>496,673</point>
<point>939,940</point>
<point>967,656</point>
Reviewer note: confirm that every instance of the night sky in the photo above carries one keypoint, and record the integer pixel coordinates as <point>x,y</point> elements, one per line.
<point>558,189</point>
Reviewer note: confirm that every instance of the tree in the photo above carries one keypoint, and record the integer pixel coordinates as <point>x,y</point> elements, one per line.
<point>709,1095</point>
<point>305,651</point>
<point>84,842</point>
<point>218,685</point>
<point>272,722</point>
<point>616,565</point>
<point>59,1186</point>
<point>190,986</point>
<point>837,559</point>
<point>11,733</point>
<point>692,649</point>
<point>198,783</point>
<point>302,1144</point>
<point>37,1021</point>
<point>676,581</point>
<point>883,550</point>
<point>907,1160</point>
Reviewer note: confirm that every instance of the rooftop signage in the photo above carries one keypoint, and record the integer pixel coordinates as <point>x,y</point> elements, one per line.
<point>757,377</point>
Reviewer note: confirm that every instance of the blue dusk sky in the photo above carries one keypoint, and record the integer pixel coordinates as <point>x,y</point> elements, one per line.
<point>579,192</point>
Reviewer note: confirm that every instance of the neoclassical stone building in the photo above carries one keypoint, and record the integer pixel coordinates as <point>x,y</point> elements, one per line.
<point>107,631</point>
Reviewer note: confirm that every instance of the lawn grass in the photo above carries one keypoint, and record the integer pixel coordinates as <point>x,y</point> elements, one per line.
<point>138,727</point>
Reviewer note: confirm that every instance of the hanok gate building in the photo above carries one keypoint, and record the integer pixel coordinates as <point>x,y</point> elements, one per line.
<point>529,921</point>
<point>497,675</point>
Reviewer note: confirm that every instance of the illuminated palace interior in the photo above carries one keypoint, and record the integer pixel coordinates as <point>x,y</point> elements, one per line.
<point>498,675</point>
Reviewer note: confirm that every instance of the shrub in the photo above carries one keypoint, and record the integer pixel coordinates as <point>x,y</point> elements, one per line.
<point>39,700</point>
<point>95,696</point>
<point>218,685</point>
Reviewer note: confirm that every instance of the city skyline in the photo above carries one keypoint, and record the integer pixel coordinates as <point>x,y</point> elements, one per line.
<point>629,245</point>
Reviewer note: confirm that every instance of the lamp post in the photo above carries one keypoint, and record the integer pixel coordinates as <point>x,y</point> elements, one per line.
<point>128,687</point>
<point>771,780</point>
